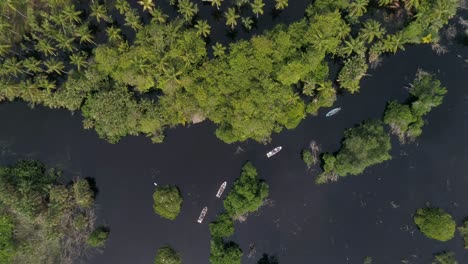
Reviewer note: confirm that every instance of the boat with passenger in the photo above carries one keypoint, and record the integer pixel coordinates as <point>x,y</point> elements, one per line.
<point>202,215</point>
<point>221,189</point>
<point>274,151</point>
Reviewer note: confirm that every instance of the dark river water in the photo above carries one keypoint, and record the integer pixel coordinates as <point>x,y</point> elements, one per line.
<point>304,223</point>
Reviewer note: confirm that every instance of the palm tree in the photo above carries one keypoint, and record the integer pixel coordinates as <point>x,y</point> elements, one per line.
<point>45,47</point>
<point>257,7</point>
<point>159,16</point>
<point>147,5</point>
<point>187,9</point>
<point>247,22</point>
<point>53,65</point>
<point>12,66</point>
<point>113,34</point>
<point>43,82</point>
<point>371,30</point>
<point>133,20</point>
<point>394,42</point>
<point>4,49</point>
<point>231,17</point>
<point>355,45</point>
<point>358,8</point>
<point>64,43</point>
<point>71,15</point>
<point>203,28</point>
<point>32,65</point>
<point>79,60</point>
<point>216,3</point>
<point>10,4</point>
<point>99,12</point>
<point>412,3</point>
<point>122,6</point>
<point>385,2</point>
<point>218,49</point>
<point>84,34</point>
<point>281,4</point>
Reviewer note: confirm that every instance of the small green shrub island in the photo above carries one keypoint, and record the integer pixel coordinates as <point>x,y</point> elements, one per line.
<point>435,223</point>
<point>167,201</point>
<point>167,255</point>
<point>445,258</point>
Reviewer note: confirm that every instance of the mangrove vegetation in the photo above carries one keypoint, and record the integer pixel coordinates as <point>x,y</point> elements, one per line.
<point>435,223</point>
<point>167,201</point>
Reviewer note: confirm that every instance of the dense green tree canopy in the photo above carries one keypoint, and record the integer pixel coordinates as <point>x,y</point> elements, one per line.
<point>167,255</point>
<point>62,216</point>
<point>363,146</point>
<point>225,253</point>
<point>167,201</point>
<point>445,258</point>
<point>464,233</point>
<point>98,237</point>
<point>247,194</point>
<point>435,223</point>
<point>223,226</point>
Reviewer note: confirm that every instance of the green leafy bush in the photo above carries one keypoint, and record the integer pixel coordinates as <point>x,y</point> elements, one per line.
<point>225,253</point>
<point>435,223</point>
<point>167,201</point>
<point>223,226</point>
<point>99,237</point>
<point>167,255</point>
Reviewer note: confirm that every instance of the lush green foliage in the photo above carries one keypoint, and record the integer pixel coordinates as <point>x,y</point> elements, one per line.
<point>445,258</point>
<point>435,223</point>
<point>308,158</point>
<point>7,247</point>
<point>52,53</point>
<point>98,237</point>
<point>464,233</point>
<point>167,255</point>
<point>51,222</point>
<point>167,201</point>
<point>362,146</point>
<point>223,226</point>
<point>225,253</point>
<point>247,194</point>
<point>406,120</point>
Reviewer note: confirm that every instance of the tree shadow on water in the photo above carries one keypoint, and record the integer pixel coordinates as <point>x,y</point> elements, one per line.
<point>268,259</point>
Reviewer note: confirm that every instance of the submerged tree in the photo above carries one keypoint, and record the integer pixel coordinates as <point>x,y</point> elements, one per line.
<point>231,17</point>
<point>363,146</point>
<point>435,223</point>
<point>463,230</point>
<point>167,255</point>
<point>225,253</point>
<point>281,4</point>
<point>445,258</point>
<point>167,201</point>
<point>203,28</point>
<point>223,226</point>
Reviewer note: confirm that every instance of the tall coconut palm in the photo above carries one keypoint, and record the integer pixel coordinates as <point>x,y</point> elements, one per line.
<point>113,34</point>
<point>216,3</point>
<point>32,65</point>
<point>132,19</point>
<point>218,50</point>
<point>412,3</point>
<point>71,14</point>
<point>231,17</point>
<point>43,82</point>
<point>281,4</point>
<point>358,7</point>
<point>247,22</point>
<point>122,6</point>
<point>257,7</point>
<point>159,16</point>
<point>12,66</point>
<point>84,34</point>
<point>54,65</point>
<point>6,5</point>
<point>203,28</point>
<point>4,49</point>
<point>394,42</point>
<point>99,12</point>
<point>187,9</point>
<point>45,47</point>
<point>79,60</point>
<point>147,5</point>
<point>371,30</point>
<point>385,2</point>
<point>353,45</point>
<point>64,43</point>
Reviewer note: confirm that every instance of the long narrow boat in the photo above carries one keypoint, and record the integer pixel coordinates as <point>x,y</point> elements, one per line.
<point>221,189</point>
<point>333,112</point>
<point>274,151</point>
<point>202,215</point>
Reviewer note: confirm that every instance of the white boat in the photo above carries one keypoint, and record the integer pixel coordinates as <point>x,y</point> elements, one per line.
<point>274,151</point>
<point>221,189</point>
<point>202,215</point>
<point>155,184</point>
<point>333,112</point>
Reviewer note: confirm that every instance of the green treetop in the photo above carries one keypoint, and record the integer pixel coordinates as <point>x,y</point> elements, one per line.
<point>167,201</point>
<point>247,194</point>
<point>225,253</point>
<point>167,255</point>
<point>223,226</point>
<point>435,223</point>
<point>445,258</point>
